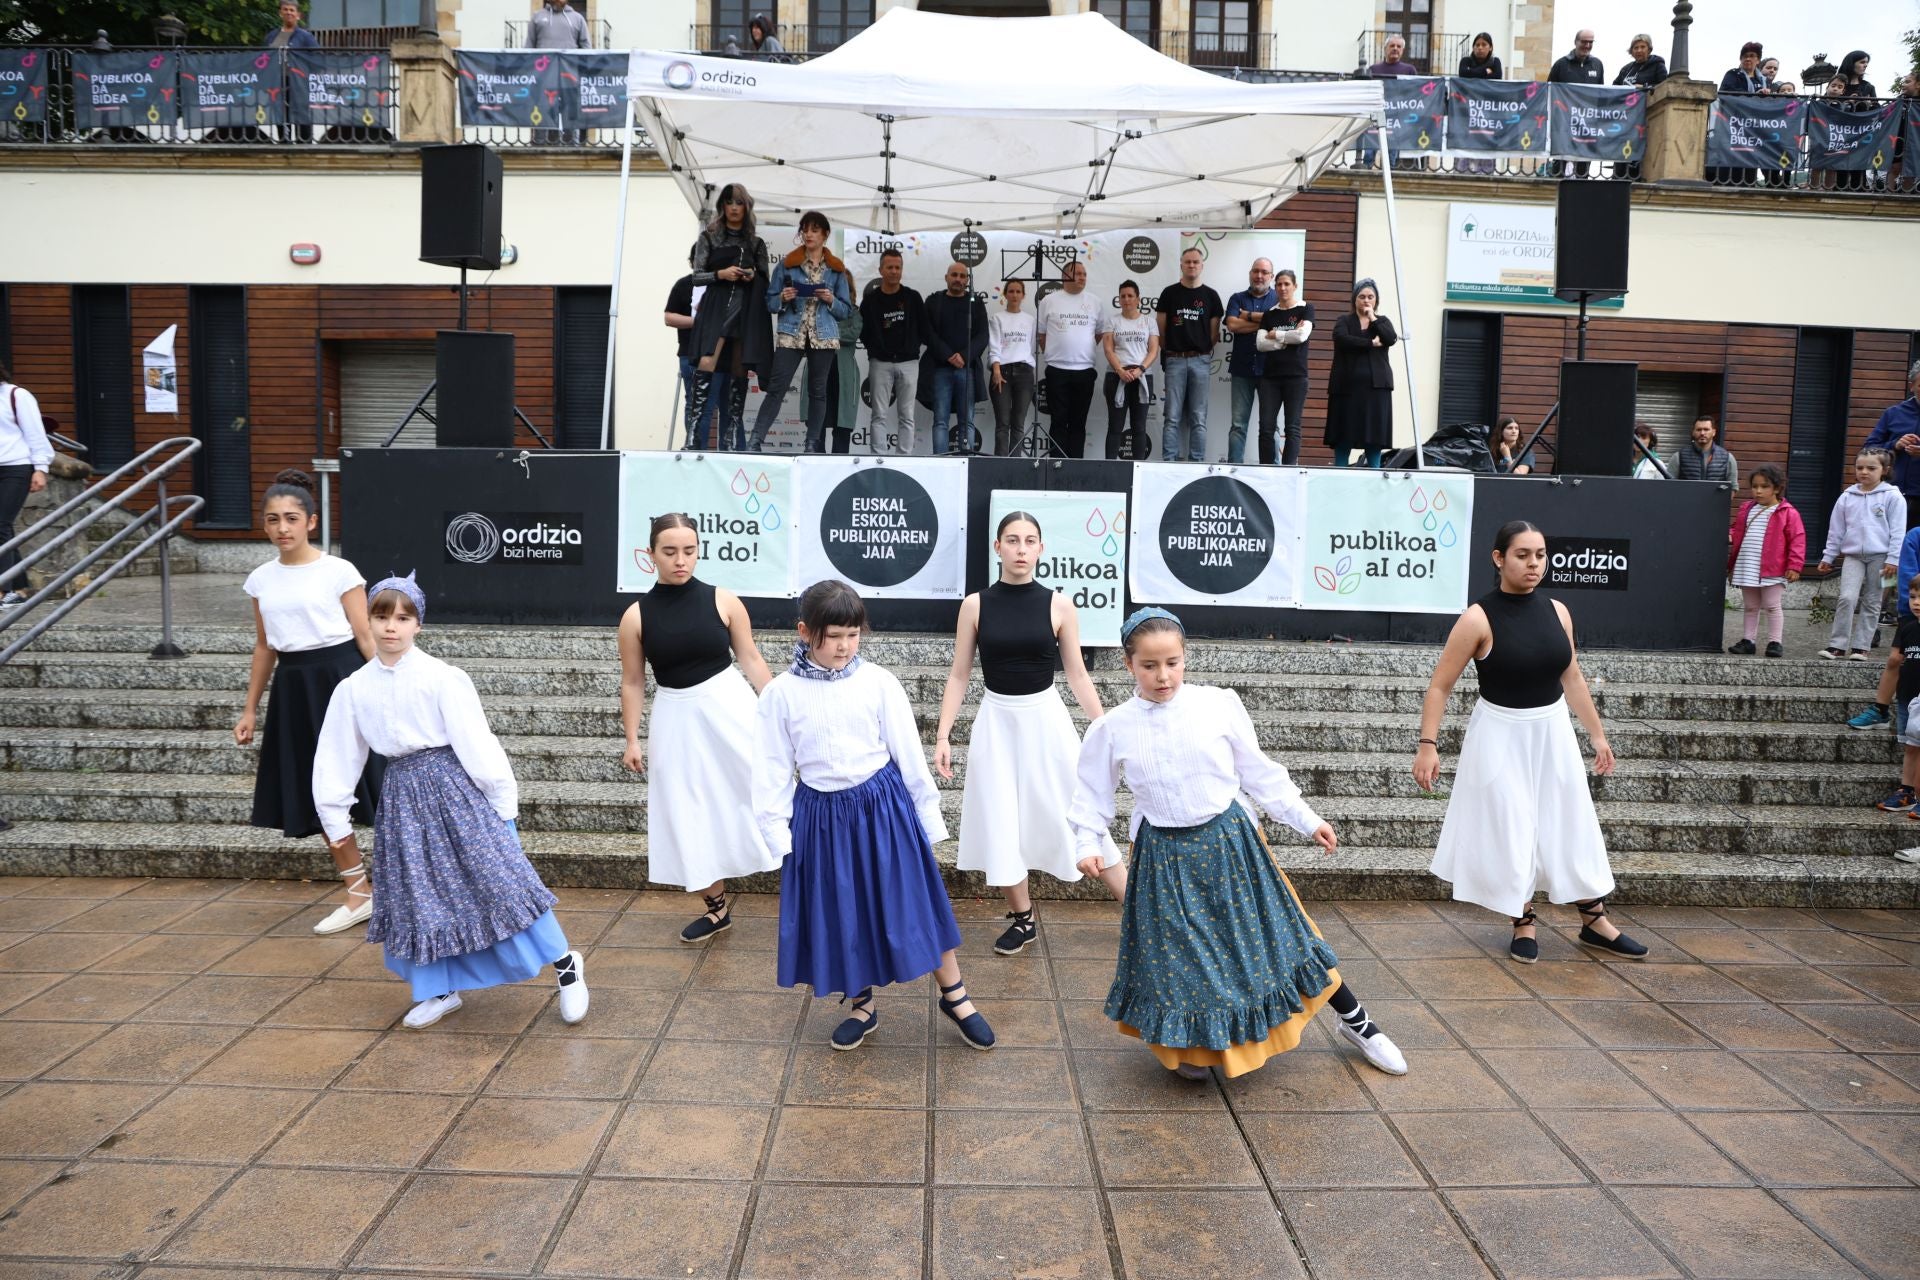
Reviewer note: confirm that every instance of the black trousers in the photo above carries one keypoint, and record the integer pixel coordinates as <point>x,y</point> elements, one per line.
<point>1069,397</point>
<point>1286,394</point>
<point>14,481</point>
<point>1128,419</point>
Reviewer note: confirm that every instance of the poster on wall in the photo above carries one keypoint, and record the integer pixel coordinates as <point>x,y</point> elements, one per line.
<point>1084,541</point>
<point>232,90</point>
<point>123,88</point>
<point>1598,122</point>
<point>160,375</point>
<point>1504,253</point>
<point>1503,117</point>
<point>23,85</point>
<point>1386,541</point>
<point>341,89</point>
<point>739,503</point>
<point>893,528</point>
<point>1218,535</point>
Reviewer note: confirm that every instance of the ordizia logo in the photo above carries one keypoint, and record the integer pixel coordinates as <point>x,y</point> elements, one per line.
<point>552,537</point>
<point>678,75</point>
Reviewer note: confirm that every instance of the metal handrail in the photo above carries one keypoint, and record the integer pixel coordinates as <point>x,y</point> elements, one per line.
<point>178,449</point>
<point>68,443</point>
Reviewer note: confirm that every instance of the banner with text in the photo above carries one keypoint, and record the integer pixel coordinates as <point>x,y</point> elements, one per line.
<point>1416,113</point>
<point>23,85</point>
<point>1596,122</point>
<point>341,89</point>
<point>122,89</point>
<point>160,374</point>
<point>593,89</point>
<point>230,90</point>
<point>739,503</point>
<point>513,88</point>
<point>1507,117</point>
<point>1505,253</point>
<point>1841,139</point>
<point>1386,541</point>
<point>894,529</point>
<point>1225,535</point>
<point>1754,132</point>
<point>1083,536</point>
<point>1910,132</point>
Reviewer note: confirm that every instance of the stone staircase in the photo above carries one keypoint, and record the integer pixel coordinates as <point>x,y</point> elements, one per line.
<point>1738,783</point>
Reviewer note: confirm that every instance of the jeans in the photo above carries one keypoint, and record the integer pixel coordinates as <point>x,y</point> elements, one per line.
<point>14,481</point>
<point>953,393</point>
<point>1186,406</point>
<point>1244,391</point>
<point>1128,418</point>
<point>1012,409</point>
<point>1283,393</point>
<point>786,362</point>
<point>1368,458</point>
<point>1069,397</point>
<point>1856,605</point>
<point>696,432</point>
<point>894,384</point>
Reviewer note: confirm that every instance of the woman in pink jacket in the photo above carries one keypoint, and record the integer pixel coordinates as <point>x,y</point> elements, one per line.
<point>1766,549</point>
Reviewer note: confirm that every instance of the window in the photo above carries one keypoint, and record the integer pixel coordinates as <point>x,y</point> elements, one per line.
<point>730,18</point>
<point>1413,20</point>
<point>1135,17</point>
<point>834,22</point>
<point>1223,34</point>
<point>580,365</point>
<point>103,373</point>
<point>217,337</point>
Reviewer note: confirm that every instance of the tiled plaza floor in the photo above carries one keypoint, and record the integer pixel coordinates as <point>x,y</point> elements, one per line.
<point>192,1085</point>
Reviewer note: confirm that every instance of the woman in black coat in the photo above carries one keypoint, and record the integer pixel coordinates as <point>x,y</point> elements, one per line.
<point>732,329</point>
<point>1481,64</point>
<point>1360,388</point>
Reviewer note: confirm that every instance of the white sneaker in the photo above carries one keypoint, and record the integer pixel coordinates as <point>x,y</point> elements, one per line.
<point>573,995</point>
<point>345,917</point>
<point>1908,855</point>
<point>428,1012</point>
<point>1380,1051</point>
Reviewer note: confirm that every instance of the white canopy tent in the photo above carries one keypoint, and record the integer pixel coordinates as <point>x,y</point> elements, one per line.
<point>1060,125</point>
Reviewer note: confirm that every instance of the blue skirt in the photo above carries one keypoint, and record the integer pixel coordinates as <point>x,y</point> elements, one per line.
<point>515,959</point>
<point>861,899</point>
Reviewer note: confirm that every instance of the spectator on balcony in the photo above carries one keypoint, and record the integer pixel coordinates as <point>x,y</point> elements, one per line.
<point>557,25</point>
<point>1646,68</point>
<point>25,456</point>
<point>1902,177</point>
<point>1771,70</point>
<point>1481,64</point>
<point>1898,432</point>
<point>290,34</point>
<point>1747,77</point>
<point>763,42</point>
<point>1189,315</point>
<point>1578,67</point>
<point>1392,63</point>
<point>1860,95</point>
<point>1702,459</point>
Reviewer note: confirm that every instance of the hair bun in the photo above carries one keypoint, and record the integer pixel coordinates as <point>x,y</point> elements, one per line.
<point>298,479</point>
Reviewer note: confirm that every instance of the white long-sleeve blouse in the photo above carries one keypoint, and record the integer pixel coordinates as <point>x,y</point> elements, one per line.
<point>416,704</point>
<point>1185,761</point>
<point>836,734</point>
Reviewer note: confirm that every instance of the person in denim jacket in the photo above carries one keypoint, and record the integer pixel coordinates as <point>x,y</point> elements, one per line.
<point>809,294</point>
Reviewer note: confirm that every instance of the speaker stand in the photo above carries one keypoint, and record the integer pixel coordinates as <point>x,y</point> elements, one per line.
<point>1584,295</point>
<point>419,409</point>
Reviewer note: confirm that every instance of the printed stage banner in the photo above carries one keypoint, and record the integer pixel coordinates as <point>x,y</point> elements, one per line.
<point>1223,535</point>
<point>1387,541</point>
<point>1084,539</point>
<point>1596,122</point>
<point>1505,253</point>
<point>232,90</point>
<point>894,528</point>
<point>1508,117</point>
<point>350,90</point>
<point>1416,115</point>
<point>740,504</point>
<point>1841,139</point>
<point>593,89</point>
<point>509,88</point>
<point>23,85</point>
<point>123,89</point>
<point>1747,131</point>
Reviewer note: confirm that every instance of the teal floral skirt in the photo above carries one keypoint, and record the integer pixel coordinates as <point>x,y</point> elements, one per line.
<point>1219,963</point>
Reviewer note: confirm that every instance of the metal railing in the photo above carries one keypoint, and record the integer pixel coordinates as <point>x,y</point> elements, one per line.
<point>798,41</point>
<point>599,33</point>
<point>1899,175</point>
<point>163,514</point>
<point>1436,53</point>
<point>1210,49</point>
<point>166,125</point>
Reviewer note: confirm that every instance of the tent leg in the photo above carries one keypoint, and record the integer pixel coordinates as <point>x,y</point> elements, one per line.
<point>613,298</point>
<point>1393,242</point>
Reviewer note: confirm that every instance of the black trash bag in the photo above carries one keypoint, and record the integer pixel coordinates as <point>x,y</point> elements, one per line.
<point>1458,444</point>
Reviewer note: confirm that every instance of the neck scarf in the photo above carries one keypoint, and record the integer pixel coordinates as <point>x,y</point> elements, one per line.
<point>806,668</point>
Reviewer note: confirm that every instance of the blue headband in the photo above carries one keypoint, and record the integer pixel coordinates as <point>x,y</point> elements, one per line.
<point>1365,282</point>
<point>405,586</point>
<point>1139,616</point>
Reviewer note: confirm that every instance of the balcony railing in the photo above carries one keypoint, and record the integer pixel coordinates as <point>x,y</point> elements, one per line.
<point>798,40</point>
<point>1210,49</point>
<point>1435,53</point>
<point>599,33</point>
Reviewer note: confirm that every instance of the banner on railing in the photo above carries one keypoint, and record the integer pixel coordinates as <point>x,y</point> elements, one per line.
<point>232,89</point>
<point>893,529</point>
<point>23,85</point>
<point>1223,535</point>
<point>123,89</point>
<point>514,89</point>
<point>1507,117</point>
<point>739,504</point>
<point>1595,122</point>
<point>1752,131</point>
<point>593,89</point>
<point>1386,541</point>
<point>1084,557</point>
<point>1910,139</point>
<point>1839,138</point>
<point>340,89</point>
<point>1416,113</point>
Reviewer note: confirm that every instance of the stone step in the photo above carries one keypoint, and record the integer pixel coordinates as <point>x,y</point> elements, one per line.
<point>100,754</point>
<point>620,807</point>
<point>619,861</point>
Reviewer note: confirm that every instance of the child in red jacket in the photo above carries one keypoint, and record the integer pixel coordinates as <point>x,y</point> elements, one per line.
<point>1766,549</point>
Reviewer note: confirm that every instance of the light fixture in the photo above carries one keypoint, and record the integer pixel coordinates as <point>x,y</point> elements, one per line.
<point>304,255</point>
<point>509,254</point>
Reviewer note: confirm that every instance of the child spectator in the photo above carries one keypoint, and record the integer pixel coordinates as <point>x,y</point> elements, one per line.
<point>1906,724</point>
<point>1767,546</point>
<point>1866,528</point>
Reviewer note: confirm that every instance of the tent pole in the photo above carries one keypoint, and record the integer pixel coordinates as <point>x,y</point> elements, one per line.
<point>1399,292</point>
<point>613,298</point>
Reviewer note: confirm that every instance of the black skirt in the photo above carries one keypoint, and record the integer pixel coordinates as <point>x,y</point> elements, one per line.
<point>303,684</point>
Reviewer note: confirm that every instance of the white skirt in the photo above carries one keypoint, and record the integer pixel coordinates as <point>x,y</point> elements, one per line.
<point>700,824</point>
<point>1521,818</point>
<point>1021,762</point>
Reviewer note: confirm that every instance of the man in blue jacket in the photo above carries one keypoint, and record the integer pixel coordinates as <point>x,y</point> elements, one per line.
<point>290,34</point>
<point>1898,432</point>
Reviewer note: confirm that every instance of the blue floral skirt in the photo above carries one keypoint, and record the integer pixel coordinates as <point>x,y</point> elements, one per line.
<point>1219,964</point>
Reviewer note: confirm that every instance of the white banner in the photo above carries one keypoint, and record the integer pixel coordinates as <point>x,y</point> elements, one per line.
<point>1083,552</point>
<point>740,502</point>
<point>1387,541</point>
<point>893,528</point>
<point>1219,535</point>
<point>1504,253</point>
<point>161,374</point>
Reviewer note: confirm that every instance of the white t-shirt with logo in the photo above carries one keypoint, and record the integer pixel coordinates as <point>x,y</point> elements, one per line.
<point>1070,323</point>
<point>300,604</point>
<point>1130,337</point>
<point>1010,337</point>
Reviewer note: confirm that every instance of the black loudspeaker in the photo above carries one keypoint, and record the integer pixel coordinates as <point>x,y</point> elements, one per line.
<point>475,372</point>
<point>460,206</point>
<point>1590,239</point>
<point>1596,418</point>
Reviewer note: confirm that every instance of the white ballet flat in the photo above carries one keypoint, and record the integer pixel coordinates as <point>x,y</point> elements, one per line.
<point>430,1011</point>
<point>573,995</point>
<point>358,908</point>
<point>1380,1051</point>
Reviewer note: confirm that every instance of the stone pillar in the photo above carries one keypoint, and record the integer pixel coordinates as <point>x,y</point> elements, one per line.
<point>427,91</point>
<point>1677,111</point>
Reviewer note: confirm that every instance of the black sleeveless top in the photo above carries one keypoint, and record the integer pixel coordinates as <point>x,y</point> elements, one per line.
<point>682,635</point>
<point>1018,651</point>
<point>1530,651</point>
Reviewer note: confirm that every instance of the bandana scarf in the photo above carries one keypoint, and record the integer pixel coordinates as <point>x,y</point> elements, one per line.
<point>807,669</point>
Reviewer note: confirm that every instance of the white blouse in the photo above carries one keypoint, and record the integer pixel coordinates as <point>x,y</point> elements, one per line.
<point>1010,337</point>
<point>1185,761</point>
<point>300,603</point>
<point>837,734</point>
<point>416,704</point>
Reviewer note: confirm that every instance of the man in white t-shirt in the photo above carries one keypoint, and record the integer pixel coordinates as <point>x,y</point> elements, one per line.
<point>1069,319</point>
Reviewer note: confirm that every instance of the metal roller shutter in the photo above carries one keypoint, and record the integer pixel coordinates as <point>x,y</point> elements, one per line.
<point>1667,402</point>
<point>1817,437</point>
<point>580,364</point>
<point>1469,367</point>
<point>379,381</point>
<point>218,343</point>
